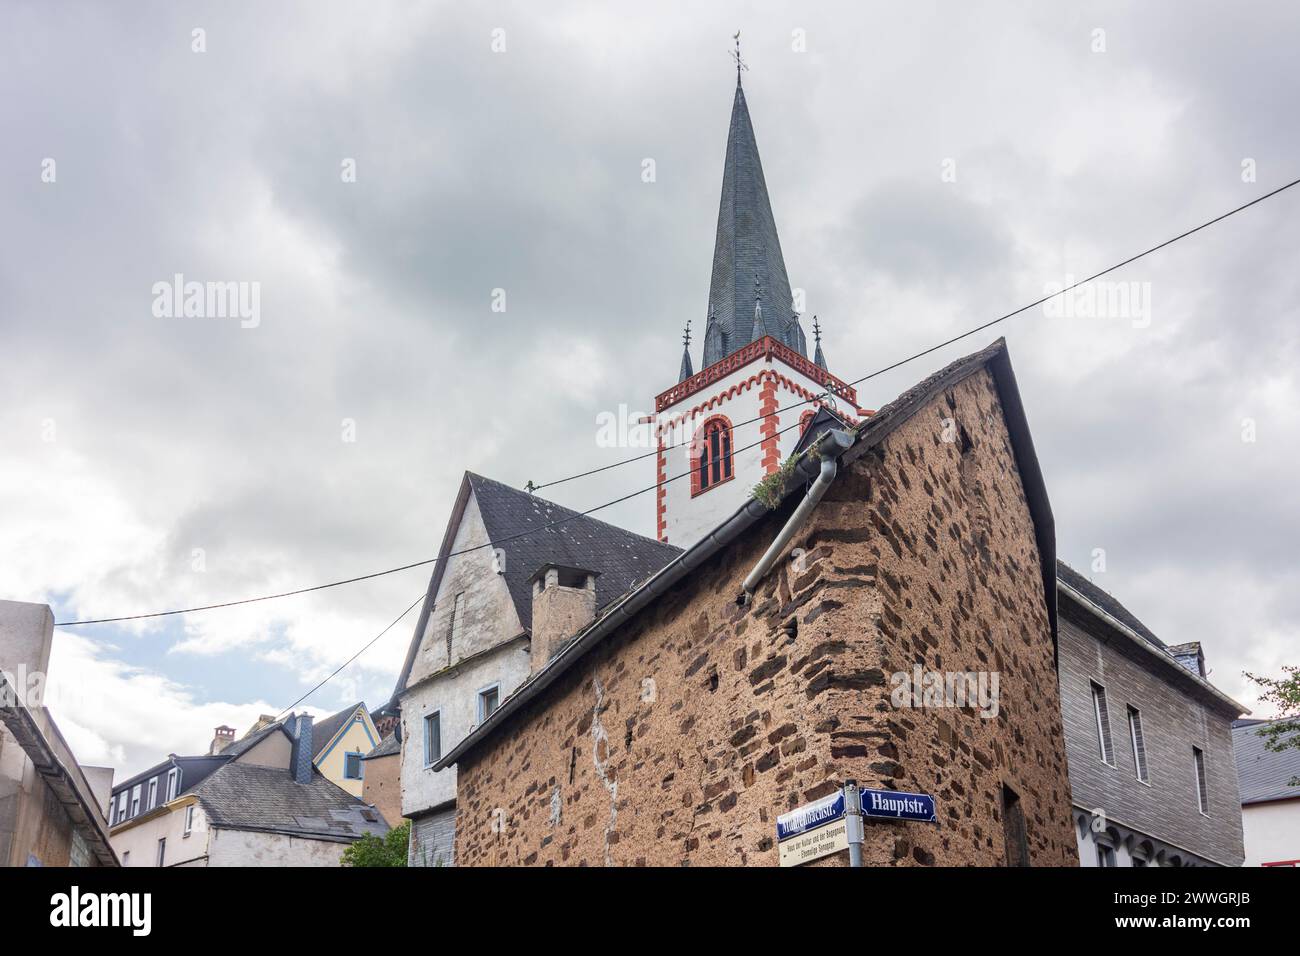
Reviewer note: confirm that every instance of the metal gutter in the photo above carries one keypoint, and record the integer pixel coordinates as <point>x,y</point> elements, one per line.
<point>830,468</point>
<point>833,445</point>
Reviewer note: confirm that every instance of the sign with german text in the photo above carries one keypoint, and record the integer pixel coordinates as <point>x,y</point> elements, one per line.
<point>897,806</point>
<point>810,816</point>
<point>815,844</point>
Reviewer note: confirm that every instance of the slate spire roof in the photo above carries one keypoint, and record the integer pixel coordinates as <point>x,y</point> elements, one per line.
<point>746,251</point>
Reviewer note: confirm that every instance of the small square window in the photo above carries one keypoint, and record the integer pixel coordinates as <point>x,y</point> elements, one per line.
<point>352,766</point>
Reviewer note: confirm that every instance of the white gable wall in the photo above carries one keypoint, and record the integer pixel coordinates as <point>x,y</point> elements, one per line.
<point>486,649</point>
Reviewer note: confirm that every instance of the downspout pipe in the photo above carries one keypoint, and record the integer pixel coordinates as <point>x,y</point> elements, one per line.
<point>830,468</point>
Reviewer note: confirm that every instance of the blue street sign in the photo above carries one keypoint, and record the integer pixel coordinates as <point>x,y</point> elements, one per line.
<point>897,806</point>
<point>810,816</point>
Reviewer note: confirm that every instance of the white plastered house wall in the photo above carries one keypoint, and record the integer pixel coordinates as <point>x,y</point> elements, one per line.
<point>489,648</point>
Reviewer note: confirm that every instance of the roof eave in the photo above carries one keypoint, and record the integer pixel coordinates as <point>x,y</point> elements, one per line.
<point>1153,652</point>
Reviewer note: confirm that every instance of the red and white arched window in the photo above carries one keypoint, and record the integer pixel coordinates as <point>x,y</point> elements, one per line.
<point>711,455</point>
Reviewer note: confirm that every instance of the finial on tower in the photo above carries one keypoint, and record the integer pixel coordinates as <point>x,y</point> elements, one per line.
<point>686,370</point>
<point>819,359</point>
<point>740,64</point>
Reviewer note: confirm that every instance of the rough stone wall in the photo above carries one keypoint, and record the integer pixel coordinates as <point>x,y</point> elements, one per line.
<point>679,741</point>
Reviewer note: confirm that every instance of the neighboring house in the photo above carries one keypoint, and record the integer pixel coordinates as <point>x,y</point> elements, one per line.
<point>51,808</point>
<point>342,740</point>
<point>257,801</point>
<point>1270,800</point>
<point>472,647</point>
<point>382,787</point>
<point>1150,740</point>
<point>762,667</point>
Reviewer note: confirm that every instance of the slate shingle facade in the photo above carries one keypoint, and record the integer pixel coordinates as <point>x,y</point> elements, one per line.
<point>1160,818</point>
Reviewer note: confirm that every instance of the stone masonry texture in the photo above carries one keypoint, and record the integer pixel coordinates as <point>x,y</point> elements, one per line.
<point>680,739</point>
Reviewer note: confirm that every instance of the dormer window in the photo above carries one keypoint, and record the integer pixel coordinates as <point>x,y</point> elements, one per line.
<point>711,455</point>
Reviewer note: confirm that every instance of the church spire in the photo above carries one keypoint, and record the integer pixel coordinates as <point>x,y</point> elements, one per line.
<point>686,371</point>
<point>746,244</point>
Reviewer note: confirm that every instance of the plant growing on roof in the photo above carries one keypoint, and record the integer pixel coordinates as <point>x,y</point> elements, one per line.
<point>768,491</point>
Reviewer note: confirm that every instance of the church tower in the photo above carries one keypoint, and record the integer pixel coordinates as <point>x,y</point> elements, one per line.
<point>725,424</point>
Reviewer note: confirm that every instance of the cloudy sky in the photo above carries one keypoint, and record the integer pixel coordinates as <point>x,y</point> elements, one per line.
<point>931,167</point>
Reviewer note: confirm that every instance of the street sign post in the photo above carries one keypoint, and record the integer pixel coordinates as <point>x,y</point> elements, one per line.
<point>835,822</point>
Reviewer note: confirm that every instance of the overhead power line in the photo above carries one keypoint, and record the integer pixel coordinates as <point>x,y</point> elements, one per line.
<point>947,342</point>
<point>415,564</point>
<point>361,650</point>
<point>880,371</point>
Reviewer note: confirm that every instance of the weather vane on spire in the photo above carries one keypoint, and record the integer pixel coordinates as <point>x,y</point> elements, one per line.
<point>686,335</point>
<point>817,331</point>
<point>735,55</point>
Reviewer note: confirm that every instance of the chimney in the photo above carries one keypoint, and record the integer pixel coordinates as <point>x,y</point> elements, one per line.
<point>1190,656</point>
<point>564,602</point>
<point>300,758</point>
<point>222,737</point>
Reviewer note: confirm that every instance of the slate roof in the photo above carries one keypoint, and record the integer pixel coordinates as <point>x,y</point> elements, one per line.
<point>387,747</point>
<point>1262,774</point>
<point>1107,603</point>
<point>242,796</point>
<point>323,731</point>
<point>621,557</point>
<point>746,252</point>
<point>517,523</point>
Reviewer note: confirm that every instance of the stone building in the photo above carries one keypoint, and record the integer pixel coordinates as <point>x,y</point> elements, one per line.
<point>474,642</point>
<point>722,691</point>
<point>1149,740</point>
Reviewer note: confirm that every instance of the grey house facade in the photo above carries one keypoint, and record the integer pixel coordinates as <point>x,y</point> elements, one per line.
<point>1149,740</point>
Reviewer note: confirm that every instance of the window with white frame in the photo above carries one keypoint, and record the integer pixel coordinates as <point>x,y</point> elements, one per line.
<point>1105,854</point>
<point>121,806</point>
<point>153,793</point>
<point>173,783</point>
<point>488,700</point>
<point>1202,794</point>
<point>135,800</point>
<point>1138,742</point>
<point>189,820</point>
<point>432,738</point>
<point>162,852</point>
<point>1102,714</point>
